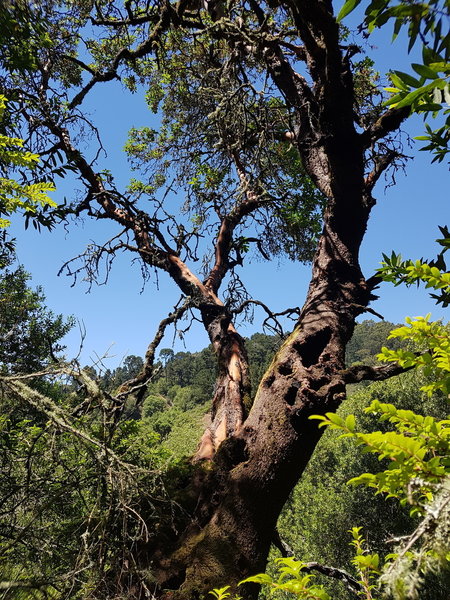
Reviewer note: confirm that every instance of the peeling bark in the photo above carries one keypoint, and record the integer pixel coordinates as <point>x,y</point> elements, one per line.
<point>231,400</point>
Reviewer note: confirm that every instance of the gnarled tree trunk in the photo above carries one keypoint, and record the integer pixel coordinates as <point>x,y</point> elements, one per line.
<point>255,469</point>
<point>258,463</point>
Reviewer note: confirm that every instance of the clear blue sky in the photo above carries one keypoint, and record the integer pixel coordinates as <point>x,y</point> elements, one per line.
<point>120,318</point>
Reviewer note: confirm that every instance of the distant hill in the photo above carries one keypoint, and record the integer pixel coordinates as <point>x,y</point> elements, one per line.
<point>368,339</point>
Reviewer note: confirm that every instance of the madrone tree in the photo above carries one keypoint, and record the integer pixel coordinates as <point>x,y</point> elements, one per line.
<point>274,134</point>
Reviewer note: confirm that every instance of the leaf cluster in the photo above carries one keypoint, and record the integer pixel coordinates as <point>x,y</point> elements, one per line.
<point>15,196</point>
<point>434,361</point>
<point>418,451</point>
<point>427,91</point>
<point>292,578</point>
<point>222,139</point>
<point>432,273</point>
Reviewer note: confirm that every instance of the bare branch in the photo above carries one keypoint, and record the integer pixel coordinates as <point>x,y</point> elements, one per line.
<point>272,316</point>
<point>362,309</point>
<point>146,47</point>
<point>138,385</point>
<point>54,412</point>
<point>350,582</point>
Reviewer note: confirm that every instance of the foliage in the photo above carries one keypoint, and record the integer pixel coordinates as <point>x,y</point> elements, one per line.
<point>366,564</point>
<point>417,447</point>
<point>30,333</point>
<point>15,196</point>
<point>427,91</point>
<point>368,339</point>
<point>294,576</point>
<point>24,32</point>
<point>417,475</point>
<point>66,480</point>
<point>71,466</point>
<point>207,137</point>
<point>186,429</point>
<point>432,336</point>
<point>322,505</point>
<point>432,273</point>
<point>132,364</point>
<point>293,579</point>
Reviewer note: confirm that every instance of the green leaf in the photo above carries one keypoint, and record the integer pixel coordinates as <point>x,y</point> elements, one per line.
<point>398,82</point>
<point>408,79</point>
<point>260,578</point>
<point>348,7</point>
<point>412,96</point>
<point>425,71</point>
<point>350,422</point>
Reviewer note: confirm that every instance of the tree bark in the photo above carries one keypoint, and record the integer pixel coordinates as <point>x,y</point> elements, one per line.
<point>232,394</point>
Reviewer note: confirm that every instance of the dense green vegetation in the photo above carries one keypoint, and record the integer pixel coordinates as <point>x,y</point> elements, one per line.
<point>29,332</point>
<point>323,508</point>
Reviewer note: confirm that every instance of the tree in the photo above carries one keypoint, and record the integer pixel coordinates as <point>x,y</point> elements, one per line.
<point>30,333</point>
<point>275,136</point>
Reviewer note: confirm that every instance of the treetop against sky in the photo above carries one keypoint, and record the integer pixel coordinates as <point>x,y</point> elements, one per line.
<point>405,219</point>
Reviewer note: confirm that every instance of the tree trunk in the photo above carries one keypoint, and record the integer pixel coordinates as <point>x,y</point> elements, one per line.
<point>234,497</point>
<point>240,498</point>
<point>232,395</point>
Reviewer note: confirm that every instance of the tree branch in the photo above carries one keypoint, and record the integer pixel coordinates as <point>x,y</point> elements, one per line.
<point>6,586</point>
<point>146,47</point>
<point>138,385</point>
<point>254,199</point>
<point>358,373</point>
<point>45,405</point>
<point>386,123</point>
<point>276,328</point>
<point>350,582</point>
<point>381,163</point>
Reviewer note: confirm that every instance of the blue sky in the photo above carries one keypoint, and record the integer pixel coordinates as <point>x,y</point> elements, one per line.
<point>120,318</point>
